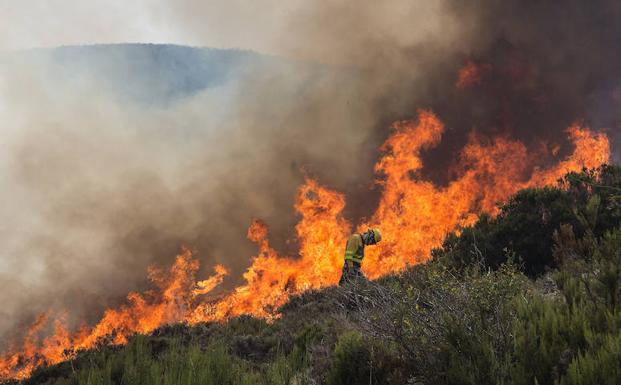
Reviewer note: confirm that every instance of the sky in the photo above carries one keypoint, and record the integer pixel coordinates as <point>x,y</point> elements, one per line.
<point>223,24</point>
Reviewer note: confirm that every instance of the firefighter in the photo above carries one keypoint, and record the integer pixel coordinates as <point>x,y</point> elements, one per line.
<point>354,253</point>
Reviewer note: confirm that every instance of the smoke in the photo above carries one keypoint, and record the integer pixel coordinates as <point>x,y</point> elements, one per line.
<point>100,178</point>
<point>545,66</point>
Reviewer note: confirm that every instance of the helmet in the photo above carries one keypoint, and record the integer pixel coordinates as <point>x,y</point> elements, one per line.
<point>376,234</point>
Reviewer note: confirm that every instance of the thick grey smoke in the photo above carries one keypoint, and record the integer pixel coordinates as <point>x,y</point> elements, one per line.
<point>99,182</point>
<point>101,179</point>
<point>543,66</point>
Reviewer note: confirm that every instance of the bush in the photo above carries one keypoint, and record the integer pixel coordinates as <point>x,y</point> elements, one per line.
<point>589,202</point>
<point>524,226</point>
<point>351,361</point>
<point>546,338</point>
<point>598,367</point>
<point>448,329</point>
<point>575,338</point>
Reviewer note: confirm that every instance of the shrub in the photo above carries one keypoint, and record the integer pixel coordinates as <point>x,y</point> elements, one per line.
<point>448,329</point>
<point>575,338</point>
<point>597,367</point>
<point>525,226</point>
<point>546,338</point>
<point>589,202</point>
<point>350,361</point>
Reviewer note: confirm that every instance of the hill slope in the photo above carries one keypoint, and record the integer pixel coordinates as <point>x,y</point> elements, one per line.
<point>454,320</point>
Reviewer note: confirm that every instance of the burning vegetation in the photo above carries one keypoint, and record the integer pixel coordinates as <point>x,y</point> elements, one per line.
<point>415,215</point>
<point>510,91</point>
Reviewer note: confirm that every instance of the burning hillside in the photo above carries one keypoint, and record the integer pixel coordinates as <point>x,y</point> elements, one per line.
<point>113,156</point>
<point>413,213</point>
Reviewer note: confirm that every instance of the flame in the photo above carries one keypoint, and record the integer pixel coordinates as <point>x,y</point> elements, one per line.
<point>471,74</point>
<point>172,302</point>
<point>413,214</point>
<point>591,149</point>
<point>272,279</point>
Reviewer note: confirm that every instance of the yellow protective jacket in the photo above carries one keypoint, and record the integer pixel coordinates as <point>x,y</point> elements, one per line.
<point>354,249</point>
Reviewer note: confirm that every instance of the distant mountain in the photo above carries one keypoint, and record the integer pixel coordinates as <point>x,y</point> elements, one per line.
<point>148,73</point>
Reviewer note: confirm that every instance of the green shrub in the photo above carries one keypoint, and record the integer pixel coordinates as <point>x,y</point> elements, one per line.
<point>597,367</point>
<point>351,361</point>
<point>588,201</point>
<point>448,329</point>
<point>525,226</point>
<point>546,338</point>
<point>573,338</point>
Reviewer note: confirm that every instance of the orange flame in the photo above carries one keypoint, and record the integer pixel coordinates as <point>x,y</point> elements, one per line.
<point>471,74</point>
<point>413,214</point>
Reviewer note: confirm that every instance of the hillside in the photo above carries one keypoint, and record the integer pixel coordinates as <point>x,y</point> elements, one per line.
<point>529,296</point>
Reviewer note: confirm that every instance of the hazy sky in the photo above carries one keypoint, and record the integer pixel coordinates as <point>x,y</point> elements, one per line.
<point>216,23</point>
